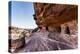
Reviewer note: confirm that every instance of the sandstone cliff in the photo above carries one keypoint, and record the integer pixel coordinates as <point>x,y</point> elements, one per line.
<point>61,20</point>
<point>47,14</point>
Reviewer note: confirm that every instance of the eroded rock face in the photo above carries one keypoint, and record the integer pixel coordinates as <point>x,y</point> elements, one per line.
<point>54,14</point>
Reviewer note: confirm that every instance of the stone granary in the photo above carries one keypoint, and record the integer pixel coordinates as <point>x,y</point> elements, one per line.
<point>60,20</point>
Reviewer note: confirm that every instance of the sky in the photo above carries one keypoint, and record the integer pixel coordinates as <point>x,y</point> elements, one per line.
<point>22,14</point>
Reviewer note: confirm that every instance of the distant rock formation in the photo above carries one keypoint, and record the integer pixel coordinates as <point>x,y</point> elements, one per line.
<point>17,37</point>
